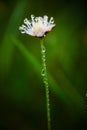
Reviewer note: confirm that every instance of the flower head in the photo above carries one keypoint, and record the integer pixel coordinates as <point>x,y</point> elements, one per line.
<point>37,26</point>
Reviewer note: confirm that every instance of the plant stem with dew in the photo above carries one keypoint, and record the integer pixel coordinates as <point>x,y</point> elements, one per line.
<point>45,80</point>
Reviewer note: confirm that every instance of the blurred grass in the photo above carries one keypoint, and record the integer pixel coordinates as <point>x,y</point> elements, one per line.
<point>67,65</point>
<point>7,49</point>
<point>68,94</point>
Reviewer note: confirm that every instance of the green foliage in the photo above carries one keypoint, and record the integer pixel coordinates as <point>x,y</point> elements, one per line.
<point>21,88</point>
<point>7,49</point>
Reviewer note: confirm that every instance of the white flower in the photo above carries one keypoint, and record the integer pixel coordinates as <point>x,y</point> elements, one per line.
<point>37,26</point>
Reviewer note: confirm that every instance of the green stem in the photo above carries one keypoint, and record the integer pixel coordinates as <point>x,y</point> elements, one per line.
<point>45,80</point>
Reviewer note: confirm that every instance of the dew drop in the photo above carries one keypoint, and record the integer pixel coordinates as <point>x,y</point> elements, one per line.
<point>43,50</point>
<point>43,72</point>
<point>43,59</point>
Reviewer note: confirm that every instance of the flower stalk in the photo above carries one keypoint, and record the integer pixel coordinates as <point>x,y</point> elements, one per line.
<point>45,81</point>
<point>39,27</point>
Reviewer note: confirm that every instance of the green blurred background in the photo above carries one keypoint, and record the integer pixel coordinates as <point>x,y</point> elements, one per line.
<point>22,93</point>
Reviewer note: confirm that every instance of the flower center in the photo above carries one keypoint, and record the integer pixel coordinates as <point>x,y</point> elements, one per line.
<point>37,29</point>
